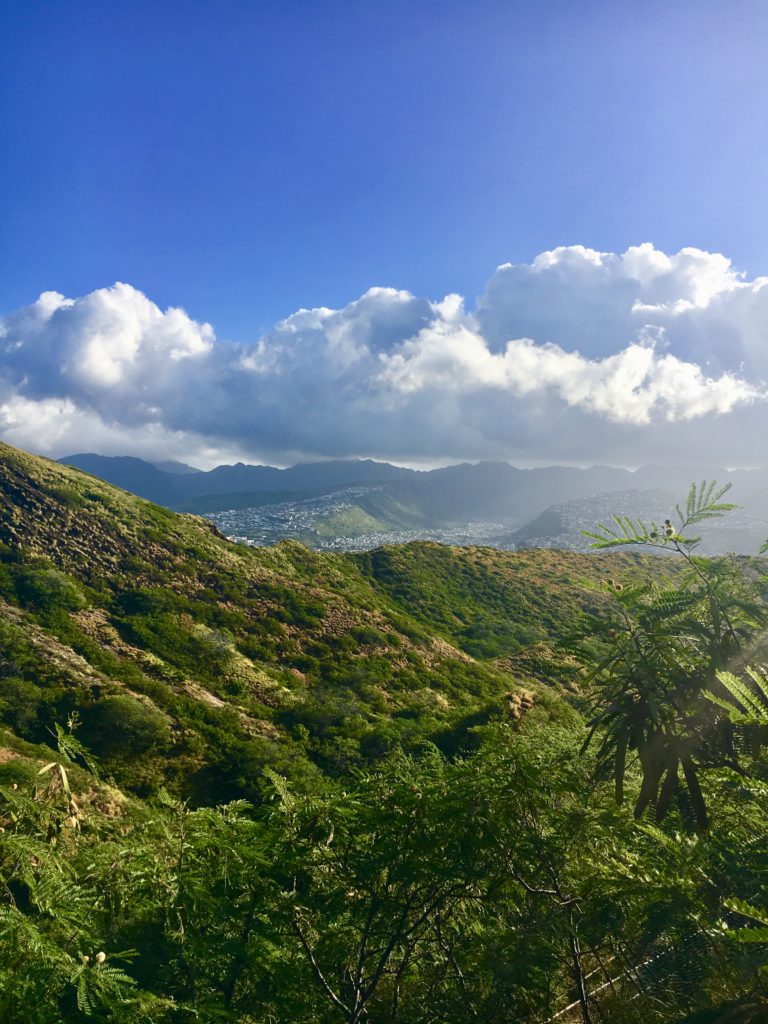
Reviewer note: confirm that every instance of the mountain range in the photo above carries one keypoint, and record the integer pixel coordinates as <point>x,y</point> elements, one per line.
<point>385,502</point>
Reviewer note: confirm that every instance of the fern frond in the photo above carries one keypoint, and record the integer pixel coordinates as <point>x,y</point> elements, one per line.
<point>704,502</point>
<point>749,704</point>
<point>747,910</point>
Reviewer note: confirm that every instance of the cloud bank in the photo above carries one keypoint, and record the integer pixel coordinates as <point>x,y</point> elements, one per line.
<point>577,356</point>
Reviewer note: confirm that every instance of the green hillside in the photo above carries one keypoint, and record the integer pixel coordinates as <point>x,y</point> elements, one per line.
<point>380,510</point>
<point>420,785</point>
<point>490,603</point>
<point>241,658</point>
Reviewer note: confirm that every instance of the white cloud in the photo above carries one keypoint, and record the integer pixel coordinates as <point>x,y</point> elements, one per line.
<point>56,426</point>
<point>632,386</point>
<point>578,355</point>
<point>598,302</point>
<point>105,343</point>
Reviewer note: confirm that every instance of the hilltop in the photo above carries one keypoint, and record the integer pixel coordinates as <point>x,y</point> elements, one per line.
<point>194,662</point>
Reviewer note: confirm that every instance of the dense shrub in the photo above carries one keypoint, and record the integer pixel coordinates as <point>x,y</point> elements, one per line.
<point>20,704</point>
<point>121,726</point>
<point>46,589</point>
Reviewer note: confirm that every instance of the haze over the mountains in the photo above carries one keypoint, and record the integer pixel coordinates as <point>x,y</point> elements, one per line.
<point>546,506</point>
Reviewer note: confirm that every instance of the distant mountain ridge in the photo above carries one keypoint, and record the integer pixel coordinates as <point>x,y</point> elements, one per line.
<point>132,474</point>
<point>179,468</point>
<point>488,490</point>
<point>174,487</point>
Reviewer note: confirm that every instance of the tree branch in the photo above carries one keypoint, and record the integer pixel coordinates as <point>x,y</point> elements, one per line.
<point>316,967</point>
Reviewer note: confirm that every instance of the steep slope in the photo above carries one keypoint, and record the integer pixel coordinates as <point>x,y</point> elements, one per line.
<point>490,603</point>
<point>132,474</point>
<point>196,663</point>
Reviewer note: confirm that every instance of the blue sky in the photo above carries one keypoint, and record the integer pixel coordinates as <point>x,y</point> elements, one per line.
<point>235,162</point>
<point>244,159</point>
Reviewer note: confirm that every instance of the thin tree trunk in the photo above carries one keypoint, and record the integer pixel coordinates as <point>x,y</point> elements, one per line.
<point>578,973</point>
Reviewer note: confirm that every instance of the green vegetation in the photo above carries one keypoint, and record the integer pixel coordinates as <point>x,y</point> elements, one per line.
<point>313,665</point>
<point>349,522</point>
<point>417,785</point>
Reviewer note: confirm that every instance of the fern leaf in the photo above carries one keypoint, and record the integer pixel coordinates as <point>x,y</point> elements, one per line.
<point>747,910</point>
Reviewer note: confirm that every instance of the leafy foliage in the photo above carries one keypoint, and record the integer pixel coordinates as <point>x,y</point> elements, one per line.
<point>271,787</point>
<point>703,503</point>
<point>665,650</point>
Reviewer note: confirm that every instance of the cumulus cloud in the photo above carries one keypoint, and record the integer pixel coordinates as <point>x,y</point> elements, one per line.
<point>579,355</point>
<point>632,386</point>
<point>594,301</point>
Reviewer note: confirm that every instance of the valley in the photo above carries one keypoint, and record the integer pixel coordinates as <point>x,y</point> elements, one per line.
<point>341,521</point>
<point>357,505</point>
